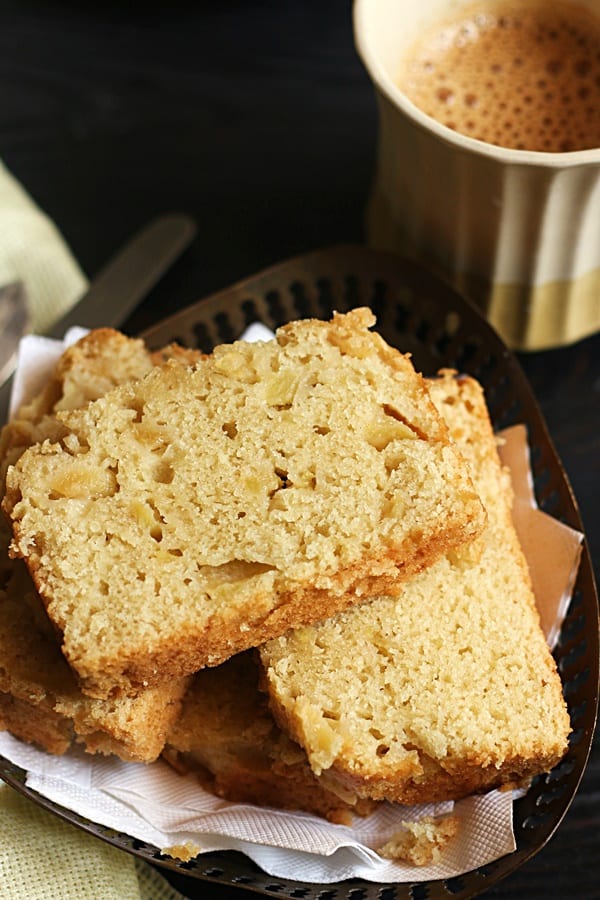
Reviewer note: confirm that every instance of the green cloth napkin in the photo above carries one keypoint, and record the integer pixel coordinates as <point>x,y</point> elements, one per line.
<point>33,250</point>
<point>41,856</point>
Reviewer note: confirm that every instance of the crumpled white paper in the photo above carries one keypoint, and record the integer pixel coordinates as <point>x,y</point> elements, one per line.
<point>154,804</point>
<point>36,358</point>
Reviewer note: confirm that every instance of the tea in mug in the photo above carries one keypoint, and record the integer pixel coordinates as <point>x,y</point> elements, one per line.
<point>525,76</point>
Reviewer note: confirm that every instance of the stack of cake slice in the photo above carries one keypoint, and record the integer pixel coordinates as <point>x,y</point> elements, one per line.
<point>311,500</point>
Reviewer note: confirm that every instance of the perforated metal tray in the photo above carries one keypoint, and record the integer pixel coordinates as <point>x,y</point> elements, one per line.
<point>417,314</point>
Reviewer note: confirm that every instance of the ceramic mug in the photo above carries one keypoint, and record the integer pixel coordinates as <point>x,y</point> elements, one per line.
<point>517,231</point>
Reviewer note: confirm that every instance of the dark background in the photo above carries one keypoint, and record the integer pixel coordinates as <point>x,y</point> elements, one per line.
<point>259,120</point>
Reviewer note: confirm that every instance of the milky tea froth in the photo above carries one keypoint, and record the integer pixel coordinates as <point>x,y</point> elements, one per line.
<point>524,76</point>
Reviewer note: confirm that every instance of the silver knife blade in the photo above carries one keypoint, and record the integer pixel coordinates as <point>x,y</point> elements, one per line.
<point>14,322</point>
<point>123,282</point>
<point>130,275</point>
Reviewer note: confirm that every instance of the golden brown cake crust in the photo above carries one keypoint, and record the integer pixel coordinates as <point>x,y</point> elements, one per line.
<point>36,724</point>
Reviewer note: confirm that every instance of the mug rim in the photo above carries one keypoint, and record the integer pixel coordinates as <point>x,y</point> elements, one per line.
<point>495,152</point>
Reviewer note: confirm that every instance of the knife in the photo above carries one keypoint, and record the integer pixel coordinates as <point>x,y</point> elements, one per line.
<point>130,275</point>
<point>14,323</point>
<point>123,282</point>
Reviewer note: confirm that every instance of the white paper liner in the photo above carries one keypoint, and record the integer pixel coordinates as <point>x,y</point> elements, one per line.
<point>155,805</point>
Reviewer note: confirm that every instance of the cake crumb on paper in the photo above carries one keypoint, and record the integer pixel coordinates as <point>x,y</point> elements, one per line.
<point>421,842</point>
<point>184,852</point>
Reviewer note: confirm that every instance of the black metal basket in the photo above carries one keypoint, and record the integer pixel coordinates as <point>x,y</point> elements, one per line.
<point>418,314</point>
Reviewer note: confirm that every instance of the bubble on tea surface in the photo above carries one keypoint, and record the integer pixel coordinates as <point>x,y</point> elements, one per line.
<point>538,61</point>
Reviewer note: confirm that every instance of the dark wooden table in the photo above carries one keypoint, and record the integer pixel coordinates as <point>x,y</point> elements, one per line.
<point>256,117</point>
